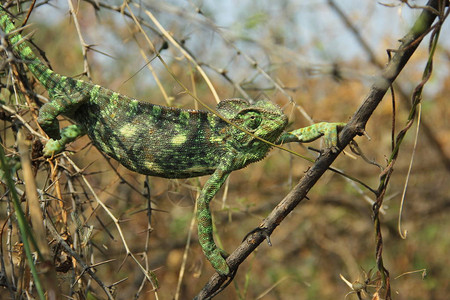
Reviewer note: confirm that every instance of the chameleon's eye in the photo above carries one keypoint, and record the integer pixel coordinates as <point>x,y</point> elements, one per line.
<point>252,121</point>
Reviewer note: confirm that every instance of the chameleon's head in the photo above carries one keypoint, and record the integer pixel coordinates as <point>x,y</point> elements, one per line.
<point>262,119</point>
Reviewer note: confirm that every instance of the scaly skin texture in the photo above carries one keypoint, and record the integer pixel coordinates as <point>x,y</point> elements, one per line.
<point>163,141</point>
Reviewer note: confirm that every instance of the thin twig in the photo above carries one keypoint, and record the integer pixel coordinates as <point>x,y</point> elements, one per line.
<point>84,45</point>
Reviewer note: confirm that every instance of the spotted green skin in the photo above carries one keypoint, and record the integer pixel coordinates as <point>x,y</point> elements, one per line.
<point>164,141</point>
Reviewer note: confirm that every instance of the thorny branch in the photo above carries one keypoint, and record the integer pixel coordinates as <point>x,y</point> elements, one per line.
<point>427,128</point>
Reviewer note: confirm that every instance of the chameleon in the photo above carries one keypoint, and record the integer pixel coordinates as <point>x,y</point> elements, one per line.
<point>164,141</point>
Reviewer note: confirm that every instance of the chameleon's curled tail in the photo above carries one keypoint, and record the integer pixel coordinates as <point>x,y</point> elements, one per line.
<point>42,73</point>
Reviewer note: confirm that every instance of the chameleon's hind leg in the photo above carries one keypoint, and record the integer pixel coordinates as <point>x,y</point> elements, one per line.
<point>65,104</point>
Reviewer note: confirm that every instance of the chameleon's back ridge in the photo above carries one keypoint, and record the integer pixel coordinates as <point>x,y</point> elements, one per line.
<point>163,141</point>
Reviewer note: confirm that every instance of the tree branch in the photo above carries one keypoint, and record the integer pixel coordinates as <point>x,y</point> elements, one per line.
<point>355,126</point>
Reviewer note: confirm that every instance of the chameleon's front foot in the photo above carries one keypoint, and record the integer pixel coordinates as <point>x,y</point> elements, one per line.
<point>68,134</point>
<point>214,254</point>
<point>329,131</point>
<point>217,259</point>
<point>52,148</point>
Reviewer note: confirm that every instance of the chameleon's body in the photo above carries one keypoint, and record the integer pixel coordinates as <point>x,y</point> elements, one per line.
<point>163,141</point>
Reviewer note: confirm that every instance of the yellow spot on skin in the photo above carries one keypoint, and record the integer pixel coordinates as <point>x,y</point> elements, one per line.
<point>198,169</point>
<point>127,130</point>
<point>153,167</point>
<point>179,140</point>
<point>215,139</point>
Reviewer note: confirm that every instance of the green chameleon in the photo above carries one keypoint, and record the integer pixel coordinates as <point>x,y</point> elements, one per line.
<point>164,141</point>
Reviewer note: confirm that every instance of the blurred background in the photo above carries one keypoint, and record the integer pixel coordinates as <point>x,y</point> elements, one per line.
<point>316,60</point>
